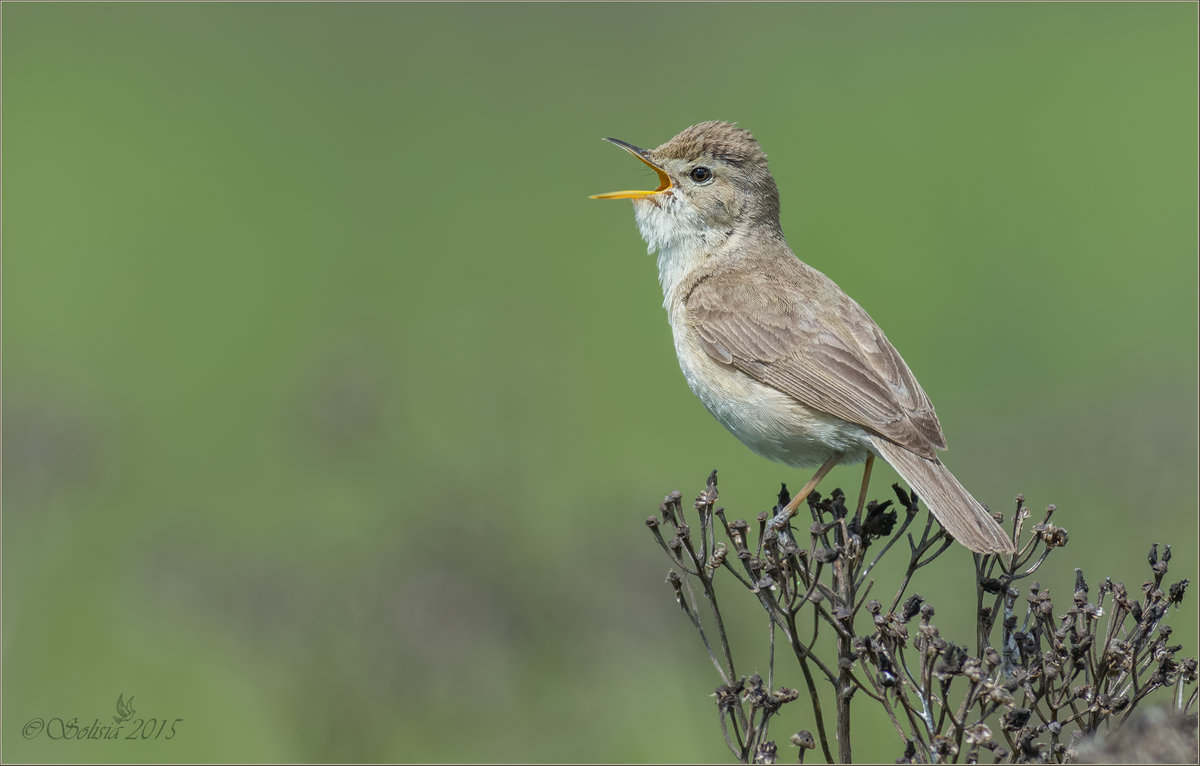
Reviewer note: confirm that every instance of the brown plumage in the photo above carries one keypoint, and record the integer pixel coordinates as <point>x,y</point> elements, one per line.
<point>781,356</point>
<point>815,344</point>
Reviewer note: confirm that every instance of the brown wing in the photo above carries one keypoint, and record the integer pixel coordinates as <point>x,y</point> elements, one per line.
<point>819,347</point>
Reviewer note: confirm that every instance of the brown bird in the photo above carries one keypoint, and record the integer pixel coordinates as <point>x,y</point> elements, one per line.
<point>784,359</point>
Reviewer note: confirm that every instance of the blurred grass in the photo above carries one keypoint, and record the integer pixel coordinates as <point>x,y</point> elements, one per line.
<point>333,406</point>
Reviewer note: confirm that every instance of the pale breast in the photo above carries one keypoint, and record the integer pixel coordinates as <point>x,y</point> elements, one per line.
<point>769,422</point>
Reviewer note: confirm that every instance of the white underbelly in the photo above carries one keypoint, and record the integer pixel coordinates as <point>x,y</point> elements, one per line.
<point>766,420</point>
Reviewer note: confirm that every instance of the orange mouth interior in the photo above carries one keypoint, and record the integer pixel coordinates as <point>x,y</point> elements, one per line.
<point>664,180</point>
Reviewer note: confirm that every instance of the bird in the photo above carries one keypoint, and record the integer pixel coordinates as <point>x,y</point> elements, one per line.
<point>774,349</point>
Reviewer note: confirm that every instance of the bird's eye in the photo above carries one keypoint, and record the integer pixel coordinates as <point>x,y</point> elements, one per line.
<point>700,174</point>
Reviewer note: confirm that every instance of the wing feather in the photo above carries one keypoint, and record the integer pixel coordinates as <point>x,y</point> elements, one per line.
<point>823,350</point>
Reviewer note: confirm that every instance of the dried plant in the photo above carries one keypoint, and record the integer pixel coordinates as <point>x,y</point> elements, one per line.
<point>1039,678</point>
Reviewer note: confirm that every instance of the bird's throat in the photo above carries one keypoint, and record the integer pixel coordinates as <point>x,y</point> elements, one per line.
<point>674,231</point>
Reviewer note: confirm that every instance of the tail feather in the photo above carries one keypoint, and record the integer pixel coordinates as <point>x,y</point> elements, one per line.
<point>950,503</point>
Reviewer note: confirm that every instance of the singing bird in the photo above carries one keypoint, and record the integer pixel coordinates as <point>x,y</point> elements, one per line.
<point>775,350</point>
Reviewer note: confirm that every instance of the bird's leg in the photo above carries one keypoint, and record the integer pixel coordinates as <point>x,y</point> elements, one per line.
<point>790,509</point>
<point>862,495</point>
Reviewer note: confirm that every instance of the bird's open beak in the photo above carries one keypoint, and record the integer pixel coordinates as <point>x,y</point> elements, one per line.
<point>664,180</point>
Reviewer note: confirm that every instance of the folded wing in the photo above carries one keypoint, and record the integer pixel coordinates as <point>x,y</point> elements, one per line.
<point>827,353</point>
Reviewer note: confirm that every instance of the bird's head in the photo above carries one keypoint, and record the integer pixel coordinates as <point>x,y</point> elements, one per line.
<point>712,177</point>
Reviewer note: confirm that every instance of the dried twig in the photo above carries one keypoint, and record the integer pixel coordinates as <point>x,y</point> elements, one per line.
<point>1040,681</point>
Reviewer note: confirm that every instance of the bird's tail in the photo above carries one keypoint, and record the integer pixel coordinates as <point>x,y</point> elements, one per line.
<point>951,504</point>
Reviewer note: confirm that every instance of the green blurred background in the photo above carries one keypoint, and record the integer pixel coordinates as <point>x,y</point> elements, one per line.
<point>333,407</point>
